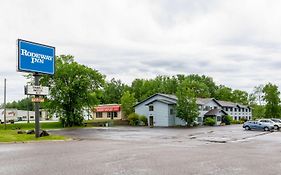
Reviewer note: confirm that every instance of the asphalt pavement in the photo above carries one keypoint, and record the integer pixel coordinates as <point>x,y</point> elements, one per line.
<point>140,150</point>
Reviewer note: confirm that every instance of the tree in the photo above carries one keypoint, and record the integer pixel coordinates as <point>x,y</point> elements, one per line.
<point>72,88</point>
<point>23,104</point>
<point>258,111</point>
<point>223,93</point>
<point>272,99</point>
<point>258,93</point>
<point>127,103</point>
<point>239,96</point>
<point>186,108</point>
<point>112,91</point>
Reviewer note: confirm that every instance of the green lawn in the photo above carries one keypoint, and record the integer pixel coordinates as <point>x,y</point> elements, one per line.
<point>26,126</point>
<point>11,135</point>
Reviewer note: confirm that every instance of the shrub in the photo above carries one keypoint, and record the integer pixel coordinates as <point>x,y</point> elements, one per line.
<point>133,119</point>
<point>236,122</point>
<point>142,120</point>
<point>209,121</point>
<point>242,120</point>
<point>227,120</point>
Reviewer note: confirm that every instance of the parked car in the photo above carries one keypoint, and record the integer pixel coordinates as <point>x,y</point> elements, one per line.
<point>276,125</point>
<point>256,125</point>
<point>277,121</point>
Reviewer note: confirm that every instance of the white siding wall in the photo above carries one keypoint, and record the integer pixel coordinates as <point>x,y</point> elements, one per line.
<point>171,119</point>
<point>160,114</point>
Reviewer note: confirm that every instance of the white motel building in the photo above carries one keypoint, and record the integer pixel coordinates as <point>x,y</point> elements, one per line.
<point>160,110</point>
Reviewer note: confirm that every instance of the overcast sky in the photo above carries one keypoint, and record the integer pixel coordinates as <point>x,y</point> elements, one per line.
<point>237,42</point>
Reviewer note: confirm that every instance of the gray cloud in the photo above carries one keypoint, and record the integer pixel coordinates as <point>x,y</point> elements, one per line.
<point>237,42</point>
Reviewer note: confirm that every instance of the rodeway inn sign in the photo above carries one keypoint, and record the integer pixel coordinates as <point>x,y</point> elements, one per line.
<point>34,57</point>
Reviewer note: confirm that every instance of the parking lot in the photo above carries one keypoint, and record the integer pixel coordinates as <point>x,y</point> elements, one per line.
<point>141,150</point>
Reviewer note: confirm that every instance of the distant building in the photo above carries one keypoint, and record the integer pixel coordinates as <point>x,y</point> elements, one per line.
<point>160,110</point>
<point>21,115</point>
<point>107,111</point>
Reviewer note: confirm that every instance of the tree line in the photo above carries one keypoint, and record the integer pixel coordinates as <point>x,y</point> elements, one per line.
<point>75,87</point>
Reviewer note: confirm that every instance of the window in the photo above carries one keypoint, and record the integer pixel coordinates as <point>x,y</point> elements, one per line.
<point>235,109</point>
<point>31,116</point>
<point>218,118</point>
<point>151,108</point>
<point>207,108</point>
<point>98,114</point>
<point>112,115</point>
<point>230,109</point>
<point>172,111</point>
<point>199,119</point>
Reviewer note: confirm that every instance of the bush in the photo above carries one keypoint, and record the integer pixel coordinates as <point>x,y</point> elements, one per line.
<point>143,120</point>
<point>243,120</point>
<point>133,119</point>
<point>237,122</point>
<point>227,120</point>
<point>209,121</point>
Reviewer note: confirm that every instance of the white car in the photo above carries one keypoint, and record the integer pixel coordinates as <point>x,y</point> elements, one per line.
<point>276,125</point>
<point>277,121</point>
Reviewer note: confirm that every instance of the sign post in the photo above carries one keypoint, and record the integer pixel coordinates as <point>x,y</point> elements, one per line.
<point>37,114</point>
<point>5,120</point>
<point>37,59</point>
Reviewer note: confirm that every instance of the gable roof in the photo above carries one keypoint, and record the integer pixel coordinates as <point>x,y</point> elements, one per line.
<point>215,112</point>
<point>168,102</point>
<point>227,103</point>
<point>172,97</point>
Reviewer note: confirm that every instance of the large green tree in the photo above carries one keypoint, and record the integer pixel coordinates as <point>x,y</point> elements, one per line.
<point>186,108</point>
<point>239,96</point>
<point>72,88</point>
<point>272,99</point>
<point>223,93</point>
<point>112,91</point>
<point>127,103</point>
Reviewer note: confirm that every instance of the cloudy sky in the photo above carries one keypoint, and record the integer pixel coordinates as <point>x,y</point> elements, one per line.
<point>237,42</point>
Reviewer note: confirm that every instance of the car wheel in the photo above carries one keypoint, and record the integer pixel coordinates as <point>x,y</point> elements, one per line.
<point>276,127</point>
<point>266,129</point>
<point>247,128</point>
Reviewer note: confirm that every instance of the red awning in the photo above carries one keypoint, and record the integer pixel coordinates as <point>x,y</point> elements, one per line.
<point>115,108</point>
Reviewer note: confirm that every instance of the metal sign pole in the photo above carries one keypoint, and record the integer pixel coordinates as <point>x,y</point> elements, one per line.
<point>37,124</point>
<point>5,103</point>
<point>27,110</point>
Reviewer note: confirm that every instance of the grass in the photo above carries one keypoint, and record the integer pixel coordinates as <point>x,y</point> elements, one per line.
<point>26,126</point>
<point>13,136</point>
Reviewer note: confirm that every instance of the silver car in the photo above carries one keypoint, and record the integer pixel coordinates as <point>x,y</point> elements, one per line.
<point>275,124</point>
<point>256,125</point>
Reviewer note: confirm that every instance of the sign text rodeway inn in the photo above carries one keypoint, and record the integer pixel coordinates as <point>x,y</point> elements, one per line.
<point>34,57</point>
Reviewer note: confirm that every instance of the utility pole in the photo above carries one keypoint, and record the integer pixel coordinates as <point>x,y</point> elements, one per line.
<point>27,110</point>
<point>37,124</point>
<point>5,103</point>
